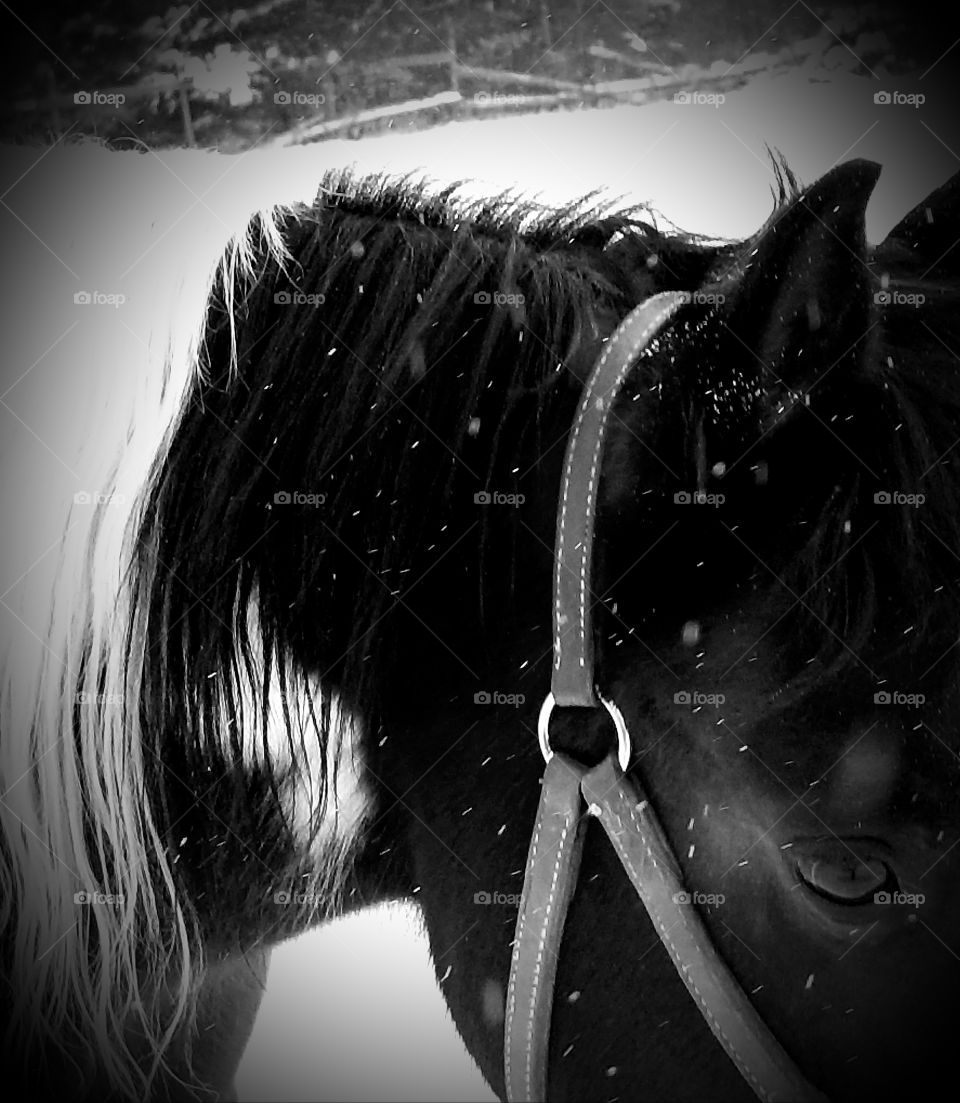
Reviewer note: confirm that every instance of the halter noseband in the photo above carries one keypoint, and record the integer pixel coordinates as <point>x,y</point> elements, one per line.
<point>571,792</point>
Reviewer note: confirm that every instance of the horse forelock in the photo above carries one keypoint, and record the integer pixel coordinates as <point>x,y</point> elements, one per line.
<point>888,575</point>
<point>884,423</point>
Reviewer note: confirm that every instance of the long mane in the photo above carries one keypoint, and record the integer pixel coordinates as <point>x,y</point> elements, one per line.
<point>399,350</point>
<point>92,925</point>
<point>267,444</point>
<point>166,637</point>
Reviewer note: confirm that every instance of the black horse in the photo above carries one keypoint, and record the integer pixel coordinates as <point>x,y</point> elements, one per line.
<point>310,680</point>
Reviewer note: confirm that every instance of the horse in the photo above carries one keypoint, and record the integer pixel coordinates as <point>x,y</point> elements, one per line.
<point>294,646</point>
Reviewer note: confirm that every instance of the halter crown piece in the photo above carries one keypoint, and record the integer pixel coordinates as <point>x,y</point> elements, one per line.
<point>571,793</point>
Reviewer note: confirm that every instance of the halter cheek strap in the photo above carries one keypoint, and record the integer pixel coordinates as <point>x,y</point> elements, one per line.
<point>571,793</point>
<point>573,682</point>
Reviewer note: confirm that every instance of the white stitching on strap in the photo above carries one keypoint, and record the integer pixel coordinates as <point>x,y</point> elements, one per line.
<point>535,985</point>
<point>705,1009</point>
<point>586,404</point>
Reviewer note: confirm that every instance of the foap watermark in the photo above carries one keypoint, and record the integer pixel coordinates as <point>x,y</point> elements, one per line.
<point>111,699</point>
<point>899,99</point>
<point>498,498</point>
<point>886,297</point>
<point>897,697</point>
<point>286,899</point>
<point>704,298</point>
<point>483,897</point>
<point>99,298</point>
<point>298,498</point>
<point>299,99</point>
<point>95,498</point>
<point>698,498</point>
<point>299,298</point>
<point>498,99</point>
<point>93,896</point>
<point>697,98</point>
<point>95,98</point>
<point>911,899</point>
<point>701,898</point>
<point>897,498</point>
<point>696,699</point>
<point>495,697</point>
<point>498,298</point>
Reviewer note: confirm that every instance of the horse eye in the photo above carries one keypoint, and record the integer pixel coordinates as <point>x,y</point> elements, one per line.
<point>847,883</point>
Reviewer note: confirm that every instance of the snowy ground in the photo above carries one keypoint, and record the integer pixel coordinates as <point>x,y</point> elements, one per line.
<point>704,167</point>
<point>352,1012</point>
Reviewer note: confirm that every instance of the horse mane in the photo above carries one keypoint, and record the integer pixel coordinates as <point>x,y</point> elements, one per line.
<point>115,687</point>
<point>83,978</point>
<point>192,607</point>
<point>414,282</point>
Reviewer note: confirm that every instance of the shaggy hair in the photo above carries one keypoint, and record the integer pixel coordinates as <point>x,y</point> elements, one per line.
<point>174,632</point>
<point>350,352</point>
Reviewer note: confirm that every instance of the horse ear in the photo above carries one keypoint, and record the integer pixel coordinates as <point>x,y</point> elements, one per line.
<point>918,244</point>
<point>801,294</point>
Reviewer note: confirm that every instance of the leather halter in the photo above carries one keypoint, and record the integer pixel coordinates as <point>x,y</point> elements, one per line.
<point>572,793</point>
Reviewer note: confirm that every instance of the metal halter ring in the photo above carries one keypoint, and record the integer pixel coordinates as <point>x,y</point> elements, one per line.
<point>623,736</point>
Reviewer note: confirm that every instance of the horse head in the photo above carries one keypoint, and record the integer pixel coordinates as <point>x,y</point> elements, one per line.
<point>776,604</point>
